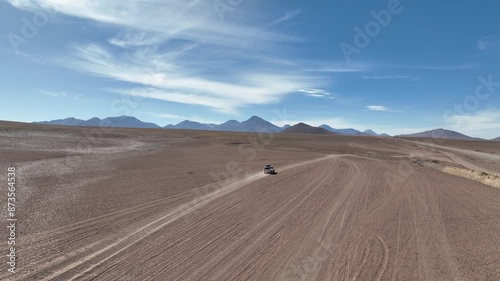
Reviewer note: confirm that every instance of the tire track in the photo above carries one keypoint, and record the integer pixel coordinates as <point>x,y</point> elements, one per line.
<point>385,261</point>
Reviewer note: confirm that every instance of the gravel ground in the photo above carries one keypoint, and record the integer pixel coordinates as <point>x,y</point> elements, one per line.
<point>173,205</point>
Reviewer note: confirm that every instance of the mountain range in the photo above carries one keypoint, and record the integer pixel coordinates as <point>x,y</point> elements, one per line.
<point>254,124</point>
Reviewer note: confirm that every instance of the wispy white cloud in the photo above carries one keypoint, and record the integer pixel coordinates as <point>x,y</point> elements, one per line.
<point>387,77</point>
<point>162,77</point>
<point>195,21</point>
<point>129,38</point>
<point>485,123</point>
<point>377,108</point>
<point>288,15</point>
<point>334,67</point>
<point>175,118</point>
<point>164,115</point>
<point>464,66</point>
<point>317,93</point>
<point>166,48</point>
<point>372,69</point>
<point>53,93</point>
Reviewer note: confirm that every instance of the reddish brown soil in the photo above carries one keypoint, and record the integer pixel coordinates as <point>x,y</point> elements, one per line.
<point>183,205</point>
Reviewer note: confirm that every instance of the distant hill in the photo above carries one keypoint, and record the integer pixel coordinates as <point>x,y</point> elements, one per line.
<point>128,122</point>
<point>352,132</point>
<point>65,122</point>
<point>259,125</point>
<point>94,122</point>
<point>439,134</point>
<point>230,125</point>
<point>497,139</point>
<point>191,125</point>
<point>370,133</point>
<point>348,131</point>
<point>121,121</point>
<point>302,128</point>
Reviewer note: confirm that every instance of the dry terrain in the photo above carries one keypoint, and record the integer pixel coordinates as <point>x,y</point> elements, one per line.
<point>153,204</point>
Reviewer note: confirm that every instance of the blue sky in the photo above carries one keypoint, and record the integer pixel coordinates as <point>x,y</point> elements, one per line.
<point>392,66</point>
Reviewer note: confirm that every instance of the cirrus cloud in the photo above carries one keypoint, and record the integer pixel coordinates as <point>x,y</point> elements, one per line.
<point>178,51</point>
<point>317,93</point>
<point>377,108</point>
<point>161,76</point>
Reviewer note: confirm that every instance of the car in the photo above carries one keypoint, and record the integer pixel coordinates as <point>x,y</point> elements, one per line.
<point>268,169</point>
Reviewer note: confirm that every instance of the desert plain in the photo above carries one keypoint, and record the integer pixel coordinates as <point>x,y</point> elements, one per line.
<point>156,204</point>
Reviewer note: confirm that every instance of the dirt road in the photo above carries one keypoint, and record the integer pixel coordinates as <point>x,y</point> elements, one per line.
<point>472,159</point>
